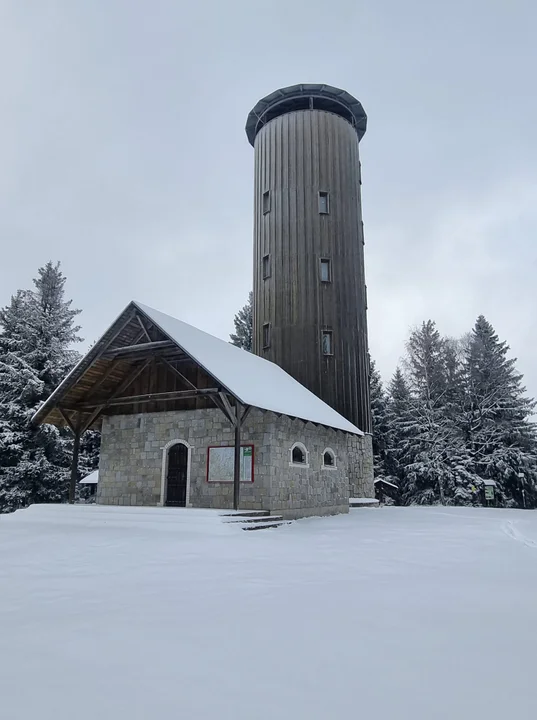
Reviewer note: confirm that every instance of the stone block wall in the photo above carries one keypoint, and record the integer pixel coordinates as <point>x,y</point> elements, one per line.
<point>134,448</point>
<point>299,491</point>
<point>360,464</point>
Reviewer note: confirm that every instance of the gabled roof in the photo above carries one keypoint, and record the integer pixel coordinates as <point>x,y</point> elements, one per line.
<point>252,380</point>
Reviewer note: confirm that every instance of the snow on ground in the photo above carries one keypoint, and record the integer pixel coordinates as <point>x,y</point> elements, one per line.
<point>390,613</point>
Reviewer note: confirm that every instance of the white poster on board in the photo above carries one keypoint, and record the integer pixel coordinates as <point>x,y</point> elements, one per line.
<point>221,462</point>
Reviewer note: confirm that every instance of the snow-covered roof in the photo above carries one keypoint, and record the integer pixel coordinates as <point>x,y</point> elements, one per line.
<point>386,482</point>
<point>489,483</point>
<point>91,479</point>
<point>250,378</point>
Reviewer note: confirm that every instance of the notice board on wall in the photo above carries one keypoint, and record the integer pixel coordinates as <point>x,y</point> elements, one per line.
<point>221,460</point>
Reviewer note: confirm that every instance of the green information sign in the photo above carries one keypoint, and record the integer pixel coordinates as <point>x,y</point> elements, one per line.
<point>489,492</point>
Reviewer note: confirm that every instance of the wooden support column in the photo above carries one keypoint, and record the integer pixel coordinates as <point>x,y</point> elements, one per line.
<point>237,459</point>
<point>77,432</point>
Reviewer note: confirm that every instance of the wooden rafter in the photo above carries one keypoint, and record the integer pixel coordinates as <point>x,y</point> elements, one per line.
<point>245,413</point>
<point>220,405</point>
<point>92,418</point>
<point>128,380</point>
<point>228,410</point>
<point>144,329</point>
<point>67,419</point>
<point>180,374</point>
<point>122,327</point>
<point>113,365</point>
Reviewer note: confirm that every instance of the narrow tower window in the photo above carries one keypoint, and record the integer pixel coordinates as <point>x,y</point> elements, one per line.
<point>266,266</point>
<point>266,335</point>
<point>327,342</point>
<point>326,270</point>
<point>323,203</point>
<point>266,202</point>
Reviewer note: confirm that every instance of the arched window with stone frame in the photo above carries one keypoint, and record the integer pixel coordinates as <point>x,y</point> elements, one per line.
<point>298,455</point>
<point>328,459</point>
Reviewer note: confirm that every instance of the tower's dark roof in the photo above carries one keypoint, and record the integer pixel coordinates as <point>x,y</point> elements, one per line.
<point>303,97</point>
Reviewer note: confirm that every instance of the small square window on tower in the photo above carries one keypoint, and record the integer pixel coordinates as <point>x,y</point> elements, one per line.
<point>266,202</point>
<point>326,270</point>
<point>266,335</point>
<point>327,342</point>
<point>324,208</point>
<point>266,266</point>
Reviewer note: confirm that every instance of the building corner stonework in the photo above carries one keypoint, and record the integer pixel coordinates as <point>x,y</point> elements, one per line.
<point>360,466</point>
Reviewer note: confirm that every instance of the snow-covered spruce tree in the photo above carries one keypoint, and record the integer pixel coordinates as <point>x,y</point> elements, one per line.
<point>37,331</point>
<point>243,321</point>
<point>434,455</point>
<point>397,421</point>
<point>19,386</point>
<point>499,432</point>
<point>379,421</point>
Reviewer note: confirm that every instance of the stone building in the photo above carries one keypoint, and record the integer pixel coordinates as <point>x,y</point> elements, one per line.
<point>189,420</point>
<point>178,407</point>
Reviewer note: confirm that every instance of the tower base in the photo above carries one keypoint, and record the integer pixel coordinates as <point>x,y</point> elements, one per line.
<point>360,464</point>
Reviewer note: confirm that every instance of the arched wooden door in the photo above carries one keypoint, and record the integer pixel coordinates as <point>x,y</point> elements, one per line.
<point>176,478</point>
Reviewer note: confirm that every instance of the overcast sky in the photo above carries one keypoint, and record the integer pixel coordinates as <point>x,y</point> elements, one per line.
<point>123,153</point>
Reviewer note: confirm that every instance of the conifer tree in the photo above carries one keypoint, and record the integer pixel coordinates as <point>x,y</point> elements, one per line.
<point>434,453</point>
<point>243,321</point>
<point>397,420</point>
<point>500,434</point>
<point>37,331</point>
<point>381,440</point>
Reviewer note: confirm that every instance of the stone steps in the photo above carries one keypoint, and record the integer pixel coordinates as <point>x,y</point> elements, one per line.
<point>363,503</point>
<point>255,520</point>
<point>268,524</point>
<point>246,514</point>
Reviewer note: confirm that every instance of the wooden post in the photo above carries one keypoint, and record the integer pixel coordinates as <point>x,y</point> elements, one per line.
<point>74,464</point>
<point>237,460</point>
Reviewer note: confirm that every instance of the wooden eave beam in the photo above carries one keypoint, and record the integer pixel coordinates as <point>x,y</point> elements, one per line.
<point>170,353</point>
<point>127,350</point>
<point>149,397</point>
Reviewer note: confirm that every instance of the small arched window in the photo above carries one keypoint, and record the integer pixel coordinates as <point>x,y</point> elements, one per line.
<point>299,455</point>
<point>329,458</point>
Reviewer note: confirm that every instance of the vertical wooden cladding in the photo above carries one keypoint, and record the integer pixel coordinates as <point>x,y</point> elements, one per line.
<point>298,155</point>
